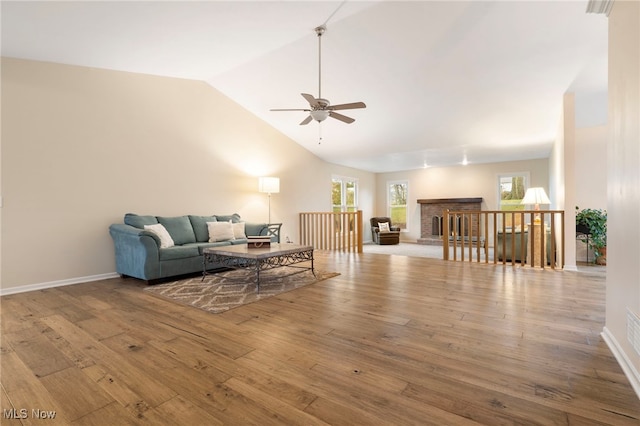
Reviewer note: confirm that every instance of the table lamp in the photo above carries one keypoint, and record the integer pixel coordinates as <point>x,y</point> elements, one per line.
<point>536,196</point>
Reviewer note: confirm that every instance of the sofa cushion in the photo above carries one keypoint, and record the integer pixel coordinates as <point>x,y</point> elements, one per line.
<point>203,246</point>
<point>179,252</point>
<point>199,224</point>
<point>238,230</point>
<point>255,228</point>
<point>161,232</point>
<point>220,231</point>
<point>179,228</point>
<point>138,221</point>
<point>233,218</point>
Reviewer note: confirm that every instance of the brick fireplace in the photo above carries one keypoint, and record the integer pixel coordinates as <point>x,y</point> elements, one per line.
<point>432,211</point>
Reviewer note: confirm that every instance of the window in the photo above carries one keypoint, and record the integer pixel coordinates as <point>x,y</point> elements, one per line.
<point>397,193</point>
<point>511,189</point>
<point>344,194</point>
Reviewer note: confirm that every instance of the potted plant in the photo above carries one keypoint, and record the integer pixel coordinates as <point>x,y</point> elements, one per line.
<point>595,221</point>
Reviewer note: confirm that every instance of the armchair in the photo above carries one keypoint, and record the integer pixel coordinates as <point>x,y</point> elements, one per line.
<point>272,230</point>
<point>385,237</point>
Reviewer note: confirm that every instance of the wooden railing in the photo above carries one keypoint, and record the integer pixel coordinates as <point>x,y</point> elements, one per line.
<point>340,231</point>
<point>505,237</point>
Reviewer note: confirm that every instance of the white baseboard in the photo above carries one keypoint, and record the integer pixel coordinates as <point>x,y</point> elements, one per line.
<point>626,364</point>
<point>51,284</point>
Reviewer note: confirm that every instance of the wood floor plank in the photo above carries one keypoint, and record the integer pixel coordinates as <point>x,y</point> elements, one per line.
<point>179,411</point>
<point>118,390</point>
<point>151,352</point>
<point>485,407</point>
<point>284,412</point>
<point>391,340</point>
<point>385,407</point>
<point>151,390</point>
<point>101,329</point>
<point>201,358</point>
<point>341,413</point>
<point>112,414</point>
<point>155,326</point>
<point>200,384</point>
<point>78,400</point>
<point>26,392</point>
<point>14,316</point>
<point>37,352</point>
<point>10,414</point>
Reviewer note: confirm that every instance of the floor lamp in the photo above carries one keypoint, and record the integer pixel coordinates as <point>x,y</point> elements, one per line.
<point>270,185</point>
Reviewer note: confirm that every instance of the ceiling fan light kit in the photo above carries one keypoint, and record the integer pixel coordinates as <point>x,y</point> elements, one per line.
<point>320,108</point>
<point>319,114</point>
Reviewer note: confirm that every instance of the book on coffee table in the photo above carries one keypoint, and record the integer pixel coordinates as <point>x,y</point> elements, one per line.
<point>260,241</point>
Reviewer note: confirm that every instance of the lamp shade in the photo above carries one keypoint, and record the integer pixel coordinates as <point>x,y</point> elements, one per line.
<point>269,185</point>
<point>535,196</point>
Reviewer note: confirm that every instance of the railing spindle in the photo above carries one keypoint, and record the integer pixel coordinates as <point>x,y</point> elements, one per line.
<point>332,230</point>
<point>464,229</point>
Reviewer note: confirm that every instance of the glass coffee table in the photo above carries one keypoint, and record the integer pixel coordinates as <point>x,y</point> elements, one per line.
<point>258,259</point>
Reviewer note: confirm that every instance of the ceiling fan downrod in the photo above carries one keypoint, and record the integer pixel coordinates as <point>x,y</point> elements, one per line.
<point>320,30</point>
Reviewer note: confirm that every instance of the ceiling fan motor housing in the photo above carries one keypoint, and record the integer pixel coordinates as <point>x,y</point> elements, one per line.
<point>322,103</point>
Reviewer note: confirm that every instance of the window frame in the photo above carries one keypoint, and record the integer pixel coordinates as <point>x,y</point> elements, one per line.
<point>344,181</point>
<point>389,206</point>
<point>498,188</point>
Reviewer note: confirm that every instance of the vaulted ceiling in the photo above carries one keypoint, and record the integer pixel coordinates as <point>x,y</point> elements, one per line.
<point>442,80</point>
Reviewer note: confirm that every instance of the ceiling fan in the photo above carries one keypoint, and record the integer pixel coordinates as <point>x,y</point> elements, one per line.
<point>320,108</point>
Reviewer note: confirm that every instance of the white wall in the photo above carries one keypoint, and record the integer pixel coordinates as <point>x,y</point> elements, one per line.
<point>591,167</point>
<point>557,184</point>
<point>623,201</point>
<point>577,171</point>
<point>81,147</point>
<point>473,180</point>
<point>571,181</point>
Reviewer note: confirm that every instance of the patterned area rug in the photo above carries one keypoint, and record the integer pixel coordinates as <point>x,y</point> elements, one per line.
<point>222,291</point>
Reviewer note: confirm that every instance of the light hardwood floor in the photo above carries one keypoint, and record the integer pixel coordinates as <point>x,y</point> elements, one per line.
<point>392,340</point>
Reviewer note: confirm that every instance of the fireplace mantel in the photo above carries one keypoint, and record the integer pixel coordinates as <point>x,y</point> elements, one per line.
<point>450,200</point>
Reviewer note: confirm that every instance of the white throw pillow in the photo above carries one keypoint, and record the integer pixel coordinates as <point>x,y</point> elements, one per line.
<point>165,239</point>
<point>220,231</point>
<point>238,230</point>
<point>384,226</point>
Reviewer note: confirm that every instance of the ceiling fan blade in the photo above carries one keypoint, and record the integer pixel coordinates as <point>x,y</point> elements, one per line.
<point>353,105</point>
<point>312,101</point>
<point>306,120</point>
<point>341,117</point>
<point>290,110</point>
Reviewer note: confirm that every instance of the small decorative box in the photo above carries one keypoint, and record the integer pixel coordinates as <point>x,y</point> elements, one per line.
<point>258,242</point>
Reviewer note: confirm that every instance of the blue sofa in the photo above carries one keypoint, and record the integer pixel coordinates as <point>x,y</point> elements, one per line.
<point>138,251</point>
